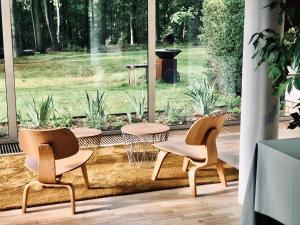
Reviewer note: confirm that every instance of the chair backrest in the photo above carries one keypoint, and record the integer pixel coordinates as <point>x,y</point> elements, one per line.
<point>62,141</point>
<point>199,131</point>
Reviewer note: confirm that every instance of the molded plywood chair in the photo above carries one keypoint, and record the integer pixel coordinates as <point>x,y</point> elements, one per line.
<point>51,153</point>
<point>198,148</point>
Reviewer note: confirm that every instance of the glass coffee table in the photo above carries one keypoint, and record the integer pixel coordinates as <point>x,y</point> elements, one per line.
<point>139,138</point>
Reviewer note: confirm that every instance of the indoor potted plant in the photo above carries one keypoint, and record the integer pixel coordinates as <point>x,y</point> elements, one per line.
<point>281,52</point>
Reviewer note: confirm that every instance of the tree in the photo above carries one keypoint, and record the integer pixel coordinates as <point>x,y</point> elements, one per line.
<point>37,29</point>
<point>213,28</point>
<point>50,24</point>
<point>103,32</point>
<point>57,8</point>
<point>163,15</point>
<point>131,25</point>
<point>181,18</point>
<point>222,32</point>
<point>16,29</point>
<point>88,7</point>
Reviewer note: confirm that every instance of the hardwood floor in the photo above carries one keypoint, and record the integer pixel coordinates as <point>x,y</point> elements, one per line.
<point>215,205</point>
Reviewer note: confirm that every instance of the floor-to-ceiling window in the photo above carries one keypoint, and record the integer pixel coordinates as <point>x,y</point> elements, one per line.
<point>80,58</point>
<point>85,63</point>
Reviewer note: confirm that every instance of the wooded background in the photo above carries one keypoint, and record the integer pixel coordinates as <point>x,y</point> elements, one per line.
<point>76,25</point>
<point>94,25</point>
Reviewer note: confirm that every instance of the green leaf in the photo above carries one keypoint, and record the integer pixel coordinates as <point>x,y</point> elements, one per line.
<point>253,36</point>
<point>273,57</point>
<point>274,72</point>
<point>280,90</point>
<point>272,5</point>
<point>271,31</point>
<point>256,43</point>
<point>255,54</point>
<point>297,83</point>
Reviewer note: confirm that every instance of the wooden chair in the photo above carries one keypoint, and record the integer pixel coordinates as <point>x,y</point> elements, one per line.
<point>51,153</point>
<point>198,148</point>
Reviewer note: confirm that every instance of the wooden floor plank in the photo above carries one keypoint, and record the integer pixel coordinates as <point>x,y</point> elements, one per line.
<point>215,205</point>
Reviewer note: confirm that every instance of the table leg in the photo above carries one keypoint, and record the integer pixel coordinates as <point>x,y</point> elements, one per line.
<point>140,151</point>
<point>129,76</point>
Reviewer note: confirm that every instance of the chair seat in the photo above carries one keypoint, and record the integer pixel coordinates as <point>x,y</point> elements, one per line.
<point>62,165</point>
<point>73,162</point>
<point>179,147</point>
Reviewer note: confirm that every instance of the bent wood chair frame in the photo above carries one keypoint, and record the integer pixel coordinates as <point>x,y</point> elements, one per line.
<point>203,133</point>
<point>43,149</point>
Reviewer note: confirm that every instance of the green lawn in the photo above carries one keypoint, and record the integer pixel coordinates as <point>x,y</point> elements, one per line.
<point>68,75</point>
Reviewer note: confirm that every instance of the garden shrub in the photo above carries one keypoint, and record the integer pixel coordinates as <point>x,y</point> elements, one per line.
<point>96,113</point>
<point>222,32</point>
<point>213,25</point>
<point>138,102</point>
<point>176,114</point>
<point>63,118</point>
<point>203,96</point>
<point>231,103</point>
<point>40,113</point>
<point>231,75</point>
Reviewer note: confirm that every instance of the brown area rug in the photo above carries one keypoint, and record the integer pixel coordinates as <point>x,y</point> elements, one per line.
<point>109,174</point>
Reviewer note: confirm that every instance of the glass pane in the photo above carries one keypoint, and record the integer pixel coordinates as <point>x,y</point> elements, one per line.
<point>193,79</point>
<point>67,50</point>
<point>3,103</point>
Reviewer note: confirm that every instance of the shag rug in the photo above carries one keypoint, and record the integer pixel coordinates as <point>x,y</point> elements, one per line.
<point>109,174</point>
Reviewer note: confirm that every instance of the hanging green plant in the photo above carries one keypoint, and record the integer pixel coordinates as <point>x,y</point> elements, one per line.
<point>281,52</point>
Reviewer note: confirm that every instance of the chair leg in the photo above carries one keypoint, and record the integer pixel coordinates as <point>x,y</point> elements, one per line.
<point>160,158</point>
<point>66,185</point>
<point>25,196</point>
<point>85,176</point>
<point>72,196</point>
<point>221,173</point>
<point>192,180</point>
<point>185,165</point>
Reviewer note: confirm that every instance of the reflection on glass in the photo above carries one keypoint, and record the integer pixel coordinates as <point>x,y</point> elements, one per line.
<point>3,104</point>
<point>88,57</point>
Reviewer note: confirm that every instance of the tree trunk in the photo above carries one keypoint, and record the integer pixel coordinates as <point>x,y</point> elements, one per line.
<point>67,34</point>
<point>103,21</point>
<point>16,30</point>
<point>37,29</point>
<point>131,29</point>
<point>94,24</point>
<point>183,31</point>
<point>57,7</point>
<point>159,19</point>
<point>50,25</point>
<point>87,24</point>
<point>132,11</point>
